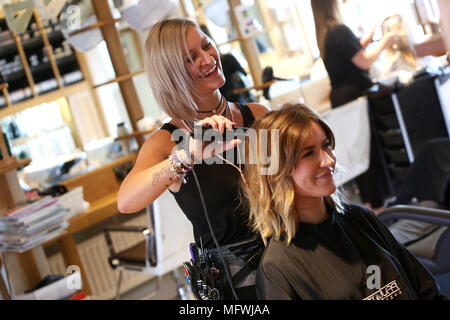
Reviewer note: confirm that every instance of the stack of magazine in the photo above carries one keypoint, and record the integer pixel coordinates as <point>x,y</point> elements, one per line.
<point>31,225</point>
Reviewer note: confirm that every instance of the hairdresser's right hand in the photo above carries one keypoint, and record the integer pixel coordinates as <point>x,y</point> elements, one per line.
<point>204,149</point>
<point>389,38</point>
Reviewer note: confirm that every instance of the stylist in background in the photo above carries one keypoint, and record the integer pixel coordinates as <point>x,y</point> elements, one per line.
<point>344,55</point>
<point>347,62</point>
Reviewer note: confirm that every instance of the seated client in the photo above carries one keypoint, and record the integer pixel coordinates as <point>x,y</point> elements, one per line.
<point>319,247</point>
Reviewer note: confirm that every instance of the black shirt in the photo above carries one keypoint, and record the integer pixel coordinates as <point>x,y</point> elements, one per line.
<point>341,45</point>
<point>338,260</point>
<point>219,184</point>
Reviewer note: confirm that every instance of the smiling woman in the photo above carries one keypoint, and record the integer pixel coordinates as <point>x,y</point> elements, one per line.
<point>303,186</point>
<point>203,63</point>
<point>320,247</point>
<point>312,177</point>
<point>185,74</point>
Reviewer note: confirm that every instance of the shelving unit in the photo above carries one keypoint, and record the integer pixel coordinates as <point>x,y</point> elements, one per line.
<point>40,80</point>
<point>8,199</point>
<point>35,63</point>
<point>45,97</point>
<point>4,92</point>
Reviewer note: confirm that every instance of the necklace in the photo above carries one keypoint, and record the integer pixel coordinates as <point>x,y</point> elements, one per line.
<point>215,109</point>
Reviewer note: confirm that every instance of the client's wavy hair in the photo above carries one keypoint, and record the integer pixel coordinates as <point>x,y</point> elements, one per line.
<point>271,197</point>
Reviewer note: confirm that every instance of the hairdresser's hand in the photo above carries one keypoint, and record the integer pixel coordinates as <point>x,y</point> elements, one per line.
<point>372,32</point>
<point>365,41</point>
<point>204,149</point>
<point>389,38</point>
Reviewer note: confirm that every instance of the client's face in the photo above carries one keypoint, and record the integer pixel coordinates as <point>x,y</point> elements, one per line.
<point>206,68</point>
<point>313,174</point>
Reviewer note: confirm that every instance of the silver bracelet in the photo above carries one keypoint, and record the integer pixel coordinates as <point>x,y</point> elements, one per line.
<point>178,167</point>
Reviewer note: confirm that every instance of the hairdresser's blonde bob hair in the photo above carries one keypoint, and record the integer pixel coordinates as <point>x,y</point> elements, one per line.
<point>271,197</point>
<point>166,69</point>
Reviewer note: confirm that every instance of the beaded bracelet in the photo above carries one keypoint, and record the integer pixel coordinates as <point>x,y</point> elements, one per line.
<point>178,167</point>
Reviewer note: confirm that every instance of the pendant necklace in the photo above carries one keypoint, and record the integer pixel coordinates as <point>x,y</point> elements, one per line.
<point>215,109</point>
<point>190,124</point>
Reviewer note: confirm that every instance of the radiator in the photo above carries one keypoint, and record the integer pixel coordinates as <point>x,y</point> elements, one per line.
<point>94,256</point>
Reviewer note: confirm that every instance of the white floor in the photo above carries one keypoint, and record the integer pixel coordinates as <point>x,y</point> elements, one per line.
<point>163,288</point>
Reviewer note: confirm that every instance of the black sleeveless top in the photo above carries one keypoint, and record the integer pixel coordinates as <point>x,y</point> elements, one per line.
<point>219,184</point>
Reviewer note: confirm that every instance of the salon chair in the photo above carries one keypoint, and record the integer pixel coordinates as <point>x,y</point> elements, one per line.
<point>268,78</point>
<point>239,81</point>
<point>164,248</point>
<point>431,247</point>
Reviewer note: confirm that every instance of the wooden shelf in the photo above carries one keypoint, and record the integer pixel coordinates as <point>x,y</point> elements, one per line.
<point>100,187</point>
<point>31,43</point>
<point>245,37</point>
<point>10,192</point>
<point>119,79</point>
<point>98,211</point>
<point>46,97</point>
<point>259,87</point>
<point>30,77</point>
<point>134,134</point>
<point>6,166</point>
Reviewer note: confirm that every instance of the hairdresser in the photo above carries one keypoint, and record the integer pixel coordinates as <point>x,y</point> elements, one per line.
<point>185,73</point>
<point>347,62</point>
<point>345,56</point>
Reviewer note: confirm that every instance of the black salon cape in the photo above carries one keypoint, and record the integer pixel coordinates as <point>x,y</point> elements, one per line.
<point>338,258</point>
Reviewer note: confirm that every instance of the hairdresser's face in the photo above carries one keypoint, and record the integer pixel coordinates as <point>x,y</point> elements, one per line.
<point>313,174</point>
<point>205,68</point>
